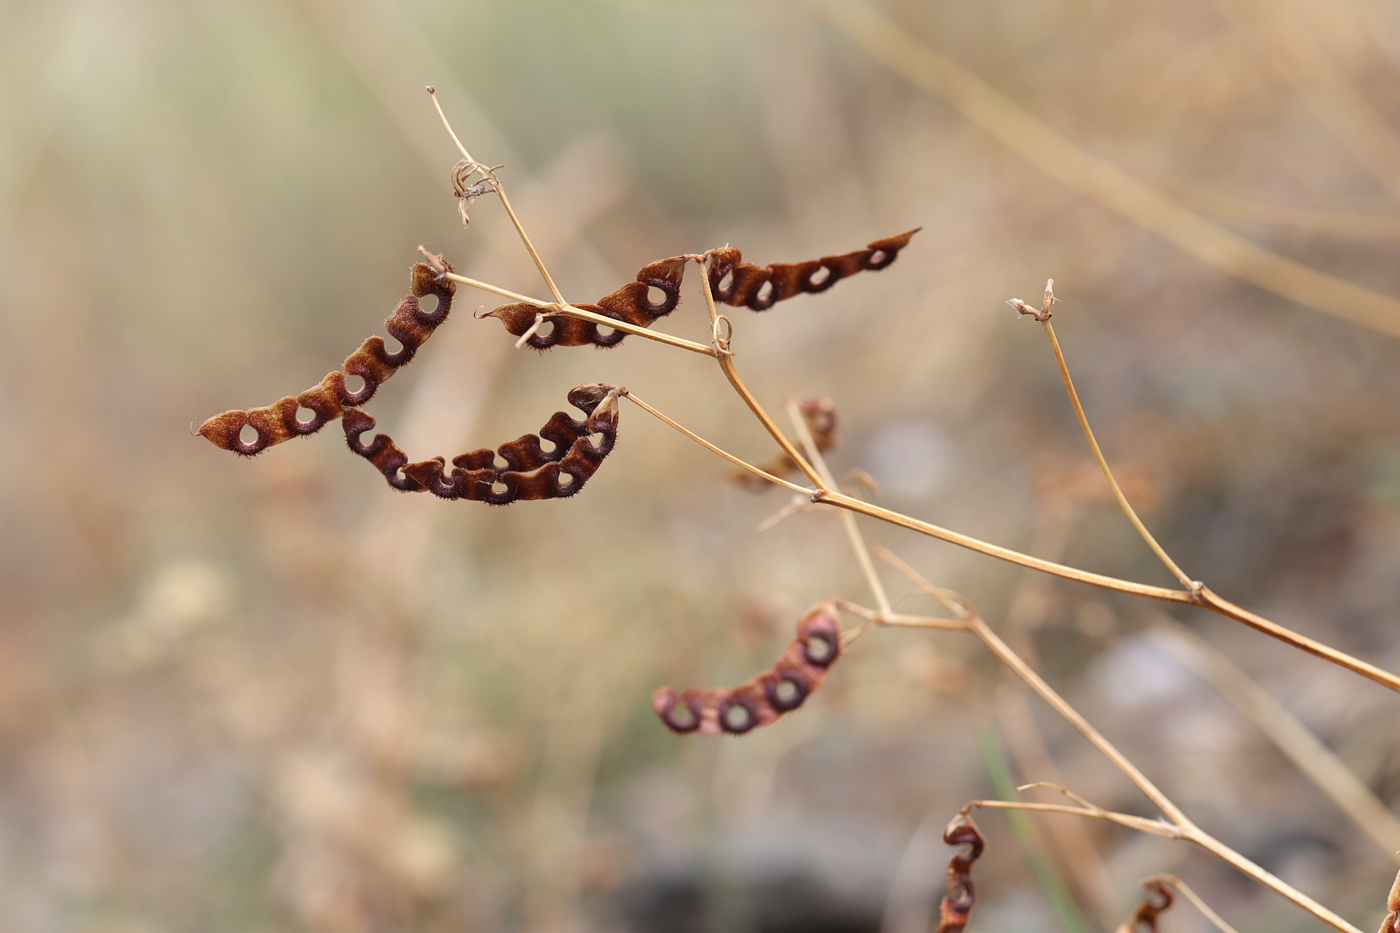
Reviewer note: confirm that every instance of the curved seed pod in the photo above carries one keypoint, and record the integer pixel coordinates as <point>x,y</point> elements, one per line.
<point>410,325</point>
<point>784,688</point>
<point>1159,898</point>
<point>820,415</point>
<point>747,285</point>
<point>759,288</point>
<point>530,472</point>
<point>1391,924</point>
<point>629,303</point>
<point>956,909</point>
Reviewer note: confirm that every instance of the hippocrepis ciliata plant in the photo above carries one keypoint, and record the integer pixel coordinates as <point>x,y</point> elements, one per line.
<point>526,468</point>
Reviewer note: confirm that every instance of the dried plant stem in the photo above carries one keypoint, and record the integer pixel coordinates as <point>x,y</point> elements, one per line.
<point>1139,823</point>
<point>1206,910</point>
<point>726,365</point>
<point>743,464</point>
<point>1314,759</point>
<point>843,501</point>
<point>1157,549</point>
<point>1179,826</point>
<point>505,202</point>
<point>848,520</point>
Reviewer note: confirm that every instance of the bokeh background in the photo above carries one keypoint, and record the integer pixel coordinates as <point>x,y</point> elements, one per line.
<point>277,695</point>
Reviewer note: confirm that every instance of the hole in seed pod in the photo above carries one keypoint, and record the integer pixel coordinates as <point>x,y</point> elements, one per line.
<point>725,283</point>
<point>354,385</point>
<point>499,464</point>
<point>565,480</point>
<point>305,416</point>
<point>737,718</point>
<point>681,717</point>
<point>248,436</point>
<point>499,488</point>
<point>819,278</point>
<point>656,296</point>
<point>604,331</point>
<point>545,330</point>
<point>788,694</point>
<point>597,440</point>
<point>878,258</point>
<point>764,295</point>
<point>820,650</point>
<point>393,346</point>
<point>547,446</point>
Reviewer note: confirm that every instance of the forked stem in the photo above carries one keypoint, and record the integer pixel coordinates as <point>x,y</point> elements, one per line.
<point>1179,826</point>
<point>1132,515</point>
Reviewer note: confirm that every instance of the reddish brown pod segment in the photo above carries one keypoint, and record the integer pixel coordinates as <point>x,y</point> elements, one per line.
<point>530,471</point>
<point>732,281</point>
<point>1159,898</point>
<point>1391,924</point>
<point>410,324</point>
<point>956,908</point>
<point>784,688</point>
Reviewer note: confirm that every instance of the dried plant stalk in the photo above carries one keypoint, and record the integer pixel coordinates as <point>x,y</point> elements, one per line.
<point>782,689</point>
<point>531,472</point>
<point>732,281</point>
<point>819,416</point>
<point>410,325</point>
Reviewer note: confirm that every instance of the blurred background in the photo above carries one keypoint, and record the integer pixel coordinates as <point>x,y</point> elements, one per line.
<point>278,695</point>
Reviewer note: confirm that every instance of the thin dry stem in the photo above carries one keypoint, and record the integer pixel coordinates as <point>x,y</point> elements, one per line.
<point>1199,904</point>
<point>1314,759</point>
<point>848,521</point>
<point>1183,828</point>
<point>1157,549</point>
<point>726,364</point>
<point>1141,824</point>
<point>744,464</point>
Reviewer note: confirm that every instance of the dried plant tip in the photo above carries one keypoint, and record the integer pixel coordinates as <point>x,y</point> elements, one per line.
<point>786,686</point>
<point>1159,898</point>
<point>732,281</point>
<point>410,325</point>
<point>1050,298</point>
<point>820,416</point>
<point>1391,923</point>
<point>956,909</point>
<point>530,471</point>
<point>467,191</point>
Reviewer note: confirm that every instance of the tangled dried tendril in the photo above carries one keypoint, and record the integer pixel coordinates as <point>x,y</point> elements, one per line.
<point>956,908</point>
<point>732,281</point>
<point>776,691</point>
<point>530,471</point>
<point>1159,898</point>
<point>410,324</point>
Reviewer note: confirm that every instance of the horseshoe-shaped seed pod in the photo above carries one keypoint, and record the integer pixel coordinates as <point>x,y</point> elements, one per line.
<point>956,908</point>
<point>783,688</point>
<point>410,325</point>
<point>732,281</point>
<point>530,472</point>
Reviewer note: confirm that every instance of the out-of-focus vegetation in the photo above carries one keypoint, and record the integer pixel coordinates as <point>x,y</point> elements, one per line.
<point>277,695</point>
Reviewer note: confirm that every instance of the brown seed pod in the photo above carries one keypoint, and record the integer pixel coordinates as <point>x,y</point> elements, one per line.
<point>410,325</point>
<point>530,471</point>
<point>820,416</point>
<point>956,909</point>
<point>783,688</point>
<point>1391,924</point>
<point>1159,897</point>
<point>732,281</point>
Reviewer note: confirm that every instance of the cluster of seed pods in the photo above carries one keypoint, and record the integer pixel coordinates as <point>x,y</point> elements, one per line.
<point>956,908</point>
